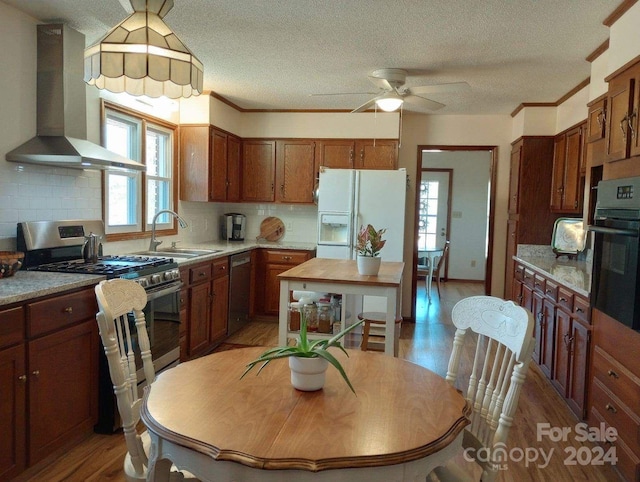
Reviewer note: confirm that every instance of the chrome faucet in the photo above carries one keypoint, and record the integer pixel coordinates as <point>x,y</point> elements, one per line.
<point>153,244</point>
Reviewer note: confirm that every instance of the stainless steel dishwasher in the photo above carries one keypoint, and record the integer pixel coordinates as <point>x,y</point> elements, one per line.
<point>239,285</point>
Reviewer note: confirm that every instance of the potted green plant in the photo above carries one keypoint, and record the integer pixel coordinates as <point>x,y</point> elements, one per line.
<point>368,246</point>
<point>308,360</point>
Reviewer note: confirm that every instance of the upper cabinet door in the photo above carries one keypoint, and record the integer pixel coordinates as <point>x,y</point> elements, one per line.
<point>295,171</point>
<point>336,153</point>
<point>514,178</point>
<point>596,121</point>
<point>218,170</point>
<point>557,179</point>
<point>194,163</point>
<point>619,101</point>
<point>234,148</point>
<point>572,193</point>
<point>258,170</point>
<point>376,154</point>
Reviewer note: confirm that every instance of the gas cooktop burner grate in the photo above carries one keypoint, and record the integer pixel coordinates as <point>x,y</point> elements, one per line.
<point>110,266</point>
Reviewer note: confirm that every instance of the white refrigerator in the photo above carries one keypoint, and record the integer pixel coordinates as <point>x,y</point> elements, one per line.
<point>349,198</point>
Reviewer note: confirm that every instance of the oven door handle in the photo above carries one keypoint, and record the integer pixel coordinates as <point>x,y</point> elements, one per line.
<point>167,290</point>
<point>621,232</point>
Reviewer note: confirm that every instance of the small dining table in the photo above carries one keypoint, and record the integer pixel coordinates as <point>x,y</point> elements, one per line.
<point>403,421</point>
<point>433,255</point>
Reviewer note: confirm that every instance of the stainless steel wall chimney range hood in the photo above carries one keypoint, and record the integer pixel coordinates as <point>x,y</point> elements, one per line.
<point>61,106</point>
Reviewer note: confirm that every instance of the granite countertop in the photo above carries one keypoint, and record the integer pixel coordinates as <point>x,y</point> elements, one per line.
<point>26,285</point>
<point>574,274</point>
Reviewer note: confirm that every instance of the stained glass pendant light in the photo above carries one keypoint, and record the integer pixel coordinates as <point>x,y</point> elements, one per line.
<point>142,56</point>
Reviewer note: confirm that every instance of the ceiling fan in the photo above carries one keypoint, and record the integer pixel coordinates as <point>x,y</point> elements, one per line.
<point>393,94</point>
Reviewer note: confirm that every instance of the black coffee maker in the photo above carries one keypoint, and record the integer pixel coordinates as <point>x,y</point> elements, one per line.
<point>232,227</point>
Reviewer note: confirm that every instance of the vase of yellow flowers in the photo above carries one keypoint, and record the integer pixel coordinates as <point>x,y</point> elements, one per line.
<point>368,246</point>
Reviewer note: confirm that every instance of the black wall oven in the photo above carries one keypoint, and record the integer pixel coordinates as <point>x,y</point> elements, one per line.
<point>615,288</point>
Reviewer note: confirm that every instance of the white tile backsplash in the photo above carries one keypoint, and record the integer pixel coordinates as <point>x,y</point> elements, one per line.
<point>39,193</point>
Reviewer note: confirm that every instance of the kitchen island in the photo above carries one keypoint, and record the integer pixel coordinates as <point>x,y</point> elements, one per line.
<point>341,276</point>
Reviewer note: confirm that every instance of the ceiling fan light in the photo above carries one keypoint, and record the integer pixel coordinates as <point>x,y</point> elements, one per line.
<point>390,103</point>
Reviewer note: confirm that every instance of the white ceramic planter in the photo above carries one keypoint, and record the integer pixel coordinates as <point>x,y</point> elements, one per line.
<point>308,374</point>
<point>368,265</point>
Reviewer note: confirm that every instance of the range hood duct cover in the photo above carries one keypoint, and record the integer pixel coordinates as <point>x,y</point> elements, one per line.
<point>61,107</point>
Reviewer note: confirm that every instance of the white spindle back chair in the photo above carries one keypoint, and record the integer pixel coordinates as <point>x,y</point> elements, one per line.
<point>116,299</point>
<point>503,346</point>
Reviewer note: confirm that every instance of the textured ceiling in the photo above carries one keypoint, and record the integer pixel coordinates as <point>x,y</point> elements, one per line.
<point>271,54</point>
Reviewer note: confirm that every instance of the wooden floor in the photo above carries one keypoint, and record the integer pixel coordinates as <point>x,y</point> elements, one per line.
<point>426,342</point>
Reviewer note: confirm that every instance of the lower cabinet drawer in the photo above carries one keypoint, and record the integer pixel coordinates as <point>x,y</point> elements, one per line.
<point>565,299</point>
<point>286,257</point>
<point>616,378</point>
<point>628,463</point>
<point>49,315</point>
<point>617,415</point>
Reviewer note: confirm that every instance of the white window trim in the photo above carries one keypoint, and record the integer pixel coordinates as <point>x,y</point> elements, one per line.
<point>142,228</point>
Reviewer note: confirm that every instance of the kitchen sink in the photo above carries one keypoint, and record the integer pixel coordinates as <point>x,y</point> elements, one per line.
<point>180,252</point>
<point>189,251</point>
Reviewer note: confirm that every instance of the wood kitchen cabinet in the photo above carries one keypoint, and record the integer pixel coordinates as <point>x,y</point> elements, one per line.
<point>335,153</point>
<point>562,333</point>
<point>295,176</point>
<point>357,153</point>
<point>49,364</point>
<point>208,296</point>
<point>572,340</point>
<point>272,262</point>
<point>530,217</point>
<point>209,164</point>
<point>258,170</point>
<point>596,120</point>
<point>376,154</point>
<point>614,395</point>
<point>567,184</point>
<point>220,308</point>
<point>623,100</point>
<point>13,386</point>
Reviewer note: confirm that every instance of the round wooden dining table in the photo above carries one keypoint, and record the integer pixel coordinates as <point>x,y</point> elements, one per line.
<point>403,421</point>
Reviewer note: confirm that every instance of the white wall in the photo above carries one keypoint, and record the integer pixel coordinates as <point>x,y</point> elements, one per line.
<point>29,193</point>
<point>573,111</point>
<point>469,198</point>
<point>310,125</point>
<point>490,130</point>
<point>534,121</point>
<point>624,39</point>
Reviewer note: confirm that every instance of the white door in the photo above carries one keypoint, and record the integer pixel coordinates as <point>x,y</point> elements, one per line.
<point>433,209</point>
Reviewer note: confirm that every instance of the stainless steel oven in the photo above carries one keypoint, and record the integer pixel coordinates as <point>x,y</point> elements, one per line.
<point>615,288</point>
<point>57,246</point>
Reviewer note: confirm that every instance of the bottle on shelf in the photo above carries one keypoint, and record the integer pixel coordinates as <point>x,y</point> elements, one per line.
<point>294,316</point>
<point>325,317</point>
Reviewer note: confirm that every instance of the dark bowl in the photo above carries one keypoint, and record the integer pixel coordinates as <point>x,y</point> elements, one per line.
<point>10,262</point>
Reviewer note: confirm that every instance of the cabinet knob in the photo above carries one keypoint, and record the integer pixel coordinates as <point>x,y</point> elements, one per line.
<point>22,378</point>
<point>36,373</point>
<point>68,309</point>
<point>564,300</point>
<point>202,274</point>
<point>611,408</point>
<point>613,374</point>
<point>579,310</point>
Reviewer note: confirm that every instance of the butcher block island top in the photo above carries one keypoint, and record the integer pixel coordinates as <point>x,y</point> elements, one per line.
<point>344,271</point>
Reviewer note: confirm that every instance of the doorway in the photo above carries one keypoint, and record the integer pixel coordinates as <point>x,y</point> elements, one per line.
<point>468,220</point>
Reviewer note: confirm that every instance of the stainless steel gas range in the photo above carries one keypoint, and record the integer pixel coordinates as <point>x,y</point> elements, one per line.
<point>61,246</point>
